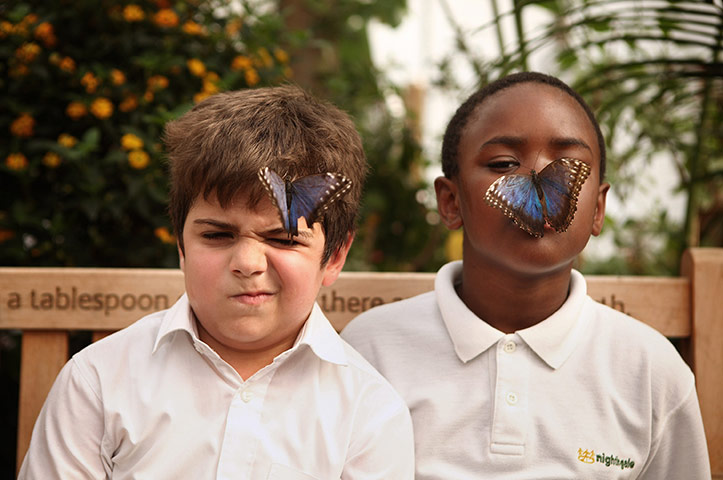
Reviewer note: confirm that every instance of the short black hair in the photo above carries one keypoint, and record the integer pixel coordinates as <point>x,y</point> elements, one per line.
<point>455,127</point>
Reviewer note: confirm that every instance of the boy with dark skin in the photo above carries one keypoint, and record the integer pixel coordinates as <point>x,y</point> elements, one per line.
<point>244,377</point>
<point>509,369</point>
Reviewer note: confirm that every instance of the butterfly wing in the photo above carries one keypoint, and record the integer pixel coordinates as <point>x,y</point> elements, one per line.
<point>276,186</point>
<point>313,194</point>
<point>561,182</point>
<point>517,197</point>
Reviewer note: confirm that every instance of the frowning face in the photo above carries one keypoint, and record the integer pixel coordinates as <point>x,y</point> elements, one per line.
<point>251,288</point>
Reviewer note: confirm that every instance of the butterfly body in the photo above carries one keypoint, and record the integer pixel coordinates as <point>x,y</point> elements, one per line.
<point>303,197</point>
<point>548,197</point>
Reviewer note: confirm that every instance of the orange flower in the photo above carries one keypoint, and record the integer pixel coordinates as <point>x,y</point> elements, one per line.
<point>241,62</point>
<point>209,86</point>
<point>281,55</point>
<point>234,27</point>
<point>196,67</point>
<point>192,28</point>
<point>27,52</point>
<point>148,96</point>
<point>157,82</point>
<point>265,57</point>
<point>252,77</point>
<point>23,126</point>
<point>138,159</point>
<point>165,18</point>
<point>29,19</point>
<point>44,32</point>
<point>68,141</point>
<point>90,82</point>
<point>6,28</point>
<point>51,160</point>
<point>133,13</point>
<point>76,110</point>
<point>200,96</point>
<point>164,235</point>
<point>129,103</point>
<point>101,108</point>
<point>19,70</point>
<point>16,161</point>
<point>131,142</point>
<point>6,235</point>
<point>67,64</point>
<point>117,77</point>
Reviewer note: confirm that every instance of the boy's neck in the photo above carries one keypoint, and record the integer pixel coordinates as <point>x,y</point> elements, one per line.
<point>510,302</point>
<point>246,362</point>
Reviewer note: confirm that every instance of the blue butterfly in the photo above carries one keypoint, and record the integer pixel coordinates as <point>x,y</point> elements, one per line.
<point>304,197</point>
<point>549,196</point>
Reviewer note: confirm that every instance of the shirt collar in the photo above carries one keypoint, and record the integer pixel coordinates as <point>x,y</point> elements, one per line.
<point>553,339</point>
<point>317,333</point>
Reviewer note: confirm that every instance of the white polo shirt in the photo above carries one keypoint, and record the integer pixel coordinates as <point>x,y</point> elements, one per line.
<point>589,393</point>
<point>153,401</point>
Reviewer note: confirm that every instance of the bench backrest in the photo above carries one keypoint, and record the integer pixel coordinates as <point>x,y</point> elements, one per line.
<point>48,303</point>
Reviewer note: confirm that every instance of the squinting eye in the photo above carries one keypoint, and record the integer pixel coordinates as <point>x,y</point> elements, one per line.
<point>283,241</point>
<point>216,235</point>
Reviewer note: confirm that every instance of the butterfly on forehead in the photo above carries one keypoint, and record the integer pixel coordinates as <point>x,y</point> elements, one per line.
<point>538,198</point>
<point>303,197</point>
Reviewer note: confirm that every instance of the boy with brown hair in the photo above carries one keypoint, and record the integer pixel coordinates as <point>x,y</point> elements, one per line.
<point>243,377</point>
<point>509,369</point>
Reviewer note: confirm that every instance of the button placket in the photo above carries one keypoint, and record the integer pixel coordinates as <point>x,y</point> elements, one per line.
<point>510,422</point>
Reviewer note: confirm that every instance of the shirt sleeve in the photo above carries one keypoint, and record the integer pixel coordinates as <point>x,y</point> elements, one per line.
<point>66,440</point>
<point>382,445</point>
<point>679,449</point>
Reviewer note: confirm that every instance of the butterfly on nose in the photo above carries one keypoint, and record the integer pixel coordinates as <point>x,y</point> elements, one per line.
<point>535,199</point>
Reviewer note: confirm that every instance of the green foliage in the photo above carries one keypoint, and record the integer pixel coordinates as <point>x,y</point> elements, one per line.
<point>86,89</point>
<point>654,75</point>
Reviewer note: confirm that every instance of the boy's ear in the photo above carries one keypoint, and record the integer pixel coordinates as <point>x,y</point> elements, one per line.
<point>333,267</point>
<point>448,202</point>
<point>181,257</point>
<point>599,215</point>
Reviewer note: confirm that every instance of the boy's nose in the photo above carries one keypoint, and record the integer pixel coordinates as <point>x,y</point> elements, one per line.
<point>249,258</point>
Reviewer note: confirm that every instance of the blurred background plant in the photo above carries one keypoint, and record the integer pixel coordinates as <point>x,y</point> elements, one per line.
<point>653,73</point>
<point>87,87</point>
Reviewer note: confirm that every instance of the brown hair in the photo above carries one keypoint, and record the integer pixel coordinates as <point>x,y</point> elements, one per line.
<point>219,146</point>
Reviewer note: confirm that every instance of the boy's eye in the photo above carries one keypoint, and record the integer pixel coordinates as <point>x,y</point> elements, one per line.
<point>217,235</point>
<point>283,241</point>
<point>503,165</point>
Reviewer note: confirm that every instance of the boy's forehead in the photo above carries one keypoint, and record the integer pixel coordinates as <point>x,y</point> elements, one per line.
<point>532,106</point>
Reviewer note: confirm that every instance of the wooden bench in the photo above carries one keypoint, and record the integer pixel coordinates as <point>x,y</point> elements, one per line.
<point>48,303</point>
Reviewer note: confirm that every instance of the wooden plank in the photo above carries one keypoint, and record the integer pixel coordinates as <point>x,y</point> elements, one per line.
<point>110,299</point>
<point>43,354</point>
<point>704,267</point>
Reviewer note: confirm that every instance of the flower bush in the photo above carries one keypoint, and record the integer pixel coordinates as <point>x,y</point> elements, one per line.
<point>82,108</point>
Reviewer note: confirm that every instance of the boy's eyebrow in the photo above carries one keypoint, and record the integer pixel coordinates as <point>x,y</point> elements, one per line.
<point>215,223</point>
<point>570,142</point>
<point>274,232</point>
<point>504,140</point>
<point>513,141</point>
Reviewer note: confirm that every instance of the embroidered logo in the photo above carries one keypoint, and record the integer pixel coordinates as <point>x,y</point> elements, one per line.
<point>589,456</point>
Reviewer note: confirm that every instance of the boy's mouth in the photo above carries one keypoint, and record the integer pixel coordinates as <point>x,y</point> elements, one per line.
<point>252,298</point>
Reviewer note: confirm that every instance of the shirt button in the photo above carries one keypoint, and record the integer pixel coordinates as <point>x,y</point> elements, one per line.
<point>246,396</point>
<point>512,398</point>
<point>509,347</point>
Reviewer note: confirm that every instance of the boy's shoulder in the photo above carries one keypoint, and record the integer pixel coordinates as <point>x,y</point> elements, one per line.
<point>398,316</point>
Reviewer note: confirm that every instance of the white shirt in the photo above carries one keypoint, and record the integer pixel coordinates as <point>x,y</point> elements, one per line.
<point>154,402</point>
<point>588,393</point>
